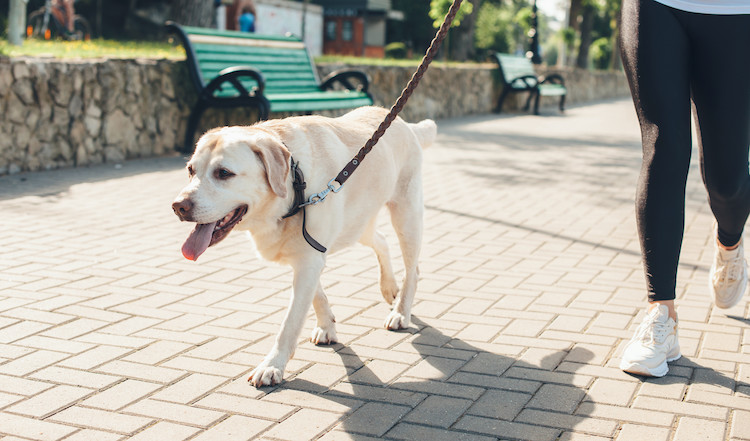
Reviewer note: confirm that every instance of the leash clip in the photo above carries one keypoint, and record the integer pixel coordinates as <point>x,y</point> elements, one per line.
<point>317,198</point>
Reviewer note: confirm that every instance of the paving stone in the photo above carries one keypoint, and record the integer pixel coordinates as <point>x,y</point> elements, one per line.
<point>305,424</point>
<point>235,428</point>
<point>556,398</point>
<point>636,431</point>
<point>121,394</point>
<point>165,431</point>
<point>504,405</point>
<point>616,393</point>
<point>178,413</point>
<point>101,420</point>
<point>50,401</point>
<point>530,285</point>
<point>246,406</point>
<point>406,431</point>
<point>25,427</point>
<point>689,428</point>
<point>375,419</point>
<point>438,411</point>
<point>740,425</point>
<point>500,428</point>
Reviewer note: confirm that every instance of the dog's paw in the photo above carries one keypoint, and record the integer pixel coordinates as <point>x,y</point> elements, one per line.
<point>396,321</point>
<point>322,336</point>
<point>389,289</point>
<point>265,375</point>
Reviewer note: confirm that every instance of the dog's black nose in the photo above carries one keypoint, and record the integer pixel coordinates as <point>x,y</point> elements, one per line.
<point>182,208</point>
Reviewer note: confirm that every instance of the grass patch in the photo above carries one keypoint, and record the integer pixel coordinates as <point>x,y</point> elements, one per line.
<point>92,49</point>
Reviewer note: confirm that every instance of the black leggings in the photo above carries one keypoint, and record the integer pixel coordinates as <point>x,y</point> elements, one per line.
<point>670,57</point>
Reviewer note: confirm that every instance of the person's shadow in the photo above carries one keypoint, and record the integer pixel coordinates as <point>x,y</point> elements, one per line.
<point>452,391</point>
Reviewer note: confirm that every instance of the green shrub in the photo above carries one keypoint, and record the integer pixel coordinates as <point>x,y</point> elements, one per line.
<point>601,52</point>
<point>396,50</point>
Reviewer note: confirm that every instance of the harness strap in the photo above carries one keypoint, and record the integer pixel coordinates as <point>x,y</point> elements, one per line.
<point>299,185</point>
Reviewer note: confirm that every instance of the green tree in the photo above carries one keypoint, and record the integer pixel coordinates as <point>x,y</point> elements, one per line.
<point>439,9</point>
<point>494,28</point>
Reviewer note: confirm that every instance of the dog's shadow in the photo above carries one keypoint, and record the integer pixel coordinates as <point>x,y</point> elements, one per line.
<point>452,386</point>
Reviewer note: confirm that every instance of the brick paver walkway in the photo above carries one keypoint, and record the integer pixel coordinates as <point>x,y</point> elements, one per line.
<point>530,285</point>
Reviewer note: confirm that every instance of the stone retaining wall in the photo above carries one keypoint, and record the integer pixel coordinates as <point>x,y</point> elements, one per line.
<point>75,113</point>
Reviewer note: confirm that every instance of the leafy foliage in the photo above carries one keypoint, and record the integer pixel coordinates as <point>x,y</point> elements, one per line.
<point>439,9</point>
<point>396,49</point>
<point>494,28</point>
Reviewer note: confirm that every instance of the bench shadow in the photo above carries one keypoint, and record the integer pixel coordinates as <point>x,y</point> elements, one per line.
<point>455,388</point>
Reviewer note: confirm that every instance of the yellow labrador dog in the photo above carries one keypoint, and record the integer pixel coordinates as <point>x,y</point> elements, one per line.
<point>240,179</point>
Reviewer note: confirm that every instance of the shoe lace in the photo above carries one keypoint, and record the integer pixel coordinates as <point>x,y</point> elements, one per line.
<point>652,331</point>
<point>729,271</point>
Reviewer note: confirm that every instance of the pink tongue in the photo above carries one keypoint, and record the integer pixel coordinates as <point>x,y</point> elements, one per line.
<point>198,241</point>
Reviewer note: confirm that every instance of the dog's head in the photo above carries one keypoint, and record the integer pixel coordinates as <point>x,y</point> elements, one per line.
<point>233,170</point>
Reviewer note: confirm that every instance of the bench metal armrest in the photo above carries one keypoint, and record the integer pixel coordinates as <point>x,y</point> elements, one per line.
<point>526,81</point>
<point>232,76</point>
<point>195,73</point>
<point>552,78</point>
<point>343,76</point>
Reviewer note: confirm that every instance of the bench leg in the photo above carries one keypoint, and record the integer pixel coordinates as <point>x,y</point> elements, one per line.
<point>536,103</point>
<point>192,126</point>
<point>499,107</point>
<point>562,103</point>
<point>264,110</point>
<point>528,100</point>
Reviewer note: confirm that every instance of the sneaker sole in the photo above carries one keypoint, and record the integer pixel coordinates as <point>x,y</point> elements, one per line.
<point>639,369</point>
<point>729,304</point>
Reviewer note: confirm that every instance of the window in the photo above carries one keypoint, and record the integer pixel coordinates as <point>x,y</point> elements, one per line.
<point>331,30</point>
<point>347,30</point>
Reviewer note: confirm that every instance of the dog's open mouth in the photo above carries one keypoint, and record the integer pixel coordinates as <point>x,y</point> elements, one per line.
<point>205,235</point>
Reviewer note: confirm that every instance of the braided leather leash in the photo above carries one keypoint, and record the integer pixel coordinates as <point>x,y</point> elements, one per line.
<point>405,94</point>
<point>347,171</point>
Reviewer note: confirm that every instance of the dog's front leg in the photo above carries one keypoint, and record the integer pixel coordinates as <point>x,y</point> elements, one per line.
<point>306,280</point>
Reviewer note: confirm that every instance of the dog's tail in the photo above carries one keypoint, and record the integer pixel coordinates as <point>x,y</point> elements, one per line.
<point>426,131</point>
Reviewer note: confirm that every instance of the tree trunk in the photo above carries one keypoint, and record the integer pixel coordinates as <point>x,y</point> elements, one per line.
<point>16,22</point>
<point>462,44</point>
<point>573,13</point>
<point>587,25</point>
<point>194,13</point>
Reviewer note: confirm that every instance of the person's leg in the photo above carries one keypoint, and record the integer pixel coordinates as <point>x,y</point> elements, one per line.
<point>69,13</point>
<point>721,98</point>
<point>721,93</point>
<point>656,57</point>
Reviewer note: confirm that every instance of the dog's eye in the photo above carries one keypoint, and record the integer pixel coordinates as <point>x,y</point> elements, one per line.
<point>191,170</point>
<point>223,173</point>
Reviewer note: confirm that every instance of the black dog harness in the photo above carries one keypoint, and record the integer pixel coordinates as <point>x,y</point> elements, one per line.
<point>299,185</point>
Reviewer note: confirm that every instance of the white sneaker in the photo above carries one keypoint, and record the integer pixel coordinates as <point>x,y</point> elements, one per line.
<point>653,345</point>
<point>728,277</point>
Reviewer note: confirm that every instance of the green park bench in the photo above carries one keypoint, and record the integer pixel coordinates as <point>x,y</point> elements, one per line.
<point>270,73</point>
<point>517,75</point>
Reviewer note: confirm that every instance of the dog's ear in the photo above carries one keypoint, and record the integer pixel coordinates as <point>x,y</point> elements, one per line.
<point>275,158</point>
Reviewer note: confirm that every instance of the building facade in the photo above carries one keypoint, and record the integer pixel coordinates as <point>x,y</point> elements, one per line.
<point>355,27</point>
